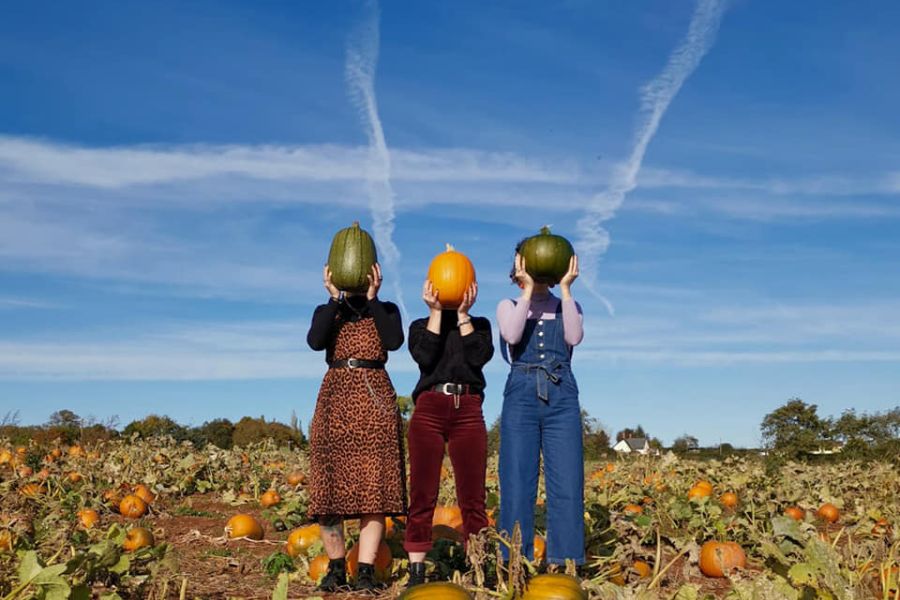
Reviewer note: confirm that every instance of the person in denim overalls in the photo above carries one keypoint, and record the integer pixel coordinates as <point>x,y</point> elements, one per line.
<point>541,416</point>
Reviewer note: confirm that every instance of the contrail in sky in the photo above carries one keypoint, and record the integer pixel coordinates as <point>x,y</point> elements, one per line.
<point>362,58</point>
<point>655,97</point>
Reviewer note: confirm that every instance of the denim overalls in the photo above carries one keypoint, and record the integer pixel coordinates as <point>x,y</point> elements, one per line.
<point>541,414</point>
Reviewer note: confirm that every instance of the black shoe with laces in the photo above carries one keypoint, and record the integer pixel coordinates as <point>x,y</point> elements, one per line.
<point>365,578</point>
<point>336,577</point>
<point>416,574</point>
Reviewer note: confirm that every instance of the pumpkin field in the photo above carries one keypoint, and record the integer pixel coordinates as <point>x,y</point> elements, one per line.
<point>155,519</point>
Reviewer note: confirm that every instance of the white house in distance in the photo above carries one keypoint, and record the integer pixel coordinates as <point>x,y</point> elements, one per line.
<point>633,446</point>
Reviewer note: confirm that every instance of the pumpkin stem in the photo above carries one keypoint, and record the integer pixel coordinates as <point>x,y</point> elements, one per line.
<point>450,248</point>
<point>355,225</point>
<point>545,230</point>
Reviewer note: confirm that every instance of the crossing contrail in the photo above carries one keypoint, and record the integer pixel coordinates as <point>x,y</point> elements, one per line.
<point>362,58</point>
<point>655,96</point>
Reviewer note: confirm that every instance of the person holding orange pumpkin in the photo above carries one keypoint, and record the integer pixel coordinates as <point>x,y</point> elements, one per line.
<point>451,348</point>
<point>541,414</point>
<point>356,445</point>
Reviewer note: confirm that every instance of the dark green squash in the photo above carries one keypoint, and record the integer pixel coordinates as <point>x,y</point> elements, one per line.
<point>547,256</point>
<point>441,590</point>
<point>351,258</point>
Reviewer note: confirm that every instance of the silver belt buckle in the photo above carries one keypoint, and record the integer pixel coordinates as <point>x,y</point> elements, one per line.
<point>351,363</point>
<point>444,389</point>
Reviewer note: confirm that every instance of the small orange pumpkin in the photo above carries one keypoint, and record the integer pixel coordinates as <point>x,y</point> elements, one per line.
<point>244,525</point>
<point>828,512</point>
<point>632,510</point>
<point>144,493</point>
<point>451,273</point>
<point>540,549</point>
<point>795,512</point>
<point>6,539</point>
<point>451,516</point>
<point>296,478</point>
<point>698,492</point>
<point>642,569</point>
<point>132,507</point>
<point>729,499</point>
<point>270,498</point>
<point>32,490</point>
<point>74,476</point>
<point>318,567</point>
<point>88,517</point>
<point>719,558</point>
<point>137,538</point>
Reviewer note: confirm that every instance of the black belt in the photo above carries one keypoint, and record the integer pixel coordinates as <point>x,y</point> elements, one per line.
<point>356,363</point>
<point>454,389</point>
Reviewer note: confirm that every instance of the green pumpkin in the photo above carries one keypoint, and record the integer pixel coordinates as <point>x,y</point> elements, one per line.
<point>547,256</point>
<point>440,590</point>
<point>351,258</point>
<point>554,586</point>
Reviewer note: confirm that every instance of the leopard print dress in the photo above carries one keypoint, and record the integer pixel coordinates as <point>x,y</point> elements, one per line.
<point>356,443</point>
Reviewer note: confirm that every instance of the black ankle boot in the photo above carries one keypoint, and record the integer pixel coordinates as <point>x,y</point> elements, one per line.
<point>336,577</point>
<point>416,574</point>
<point>365,578</point>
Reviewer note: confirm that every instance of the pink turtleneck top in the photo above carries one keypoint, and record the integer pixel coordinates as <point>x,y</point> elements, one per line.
<point>512,317</point>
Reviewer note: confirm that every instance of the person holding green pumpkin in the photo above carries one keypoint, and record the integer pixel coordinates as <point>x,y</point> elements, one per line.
<point>356,460</point>
<point>541,415</point>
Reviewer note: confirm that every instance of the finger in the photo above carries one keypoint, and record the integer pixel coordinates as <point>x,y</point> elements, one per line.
<point>378,271</point>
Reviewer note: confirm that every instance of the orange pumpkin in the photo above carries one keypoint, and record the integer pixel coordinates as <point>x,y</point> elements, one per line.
<point>111,497</point>
<point>698,492</point>
<point>451,273</point>
<point>729,499</point>
<point>270,498</point>
<point>705,485</point>
<point>632,510</point>
<point>6,457</point>
<point>43,474</point>
<point>32,490</point>
<point>144,493</point>
<point>881,527</point>
<point>244,525</point>
<point>296,478</point>
<point>719,558</point>
<point>25,471</point>
<point>301,539</point>
<point>76,451</point>
<point>132,507</point>
<point>540,549</point>
<point>74,476</point>
<point>88,517</point>
<point>642,569</point>
<point>828,512</point>
<point>383,562</point>
<point>436,590</point>
<point>318,567</point>
<point>795,512</point>
<point>137,538</point>
<point>56,453</point>
<point>451,516</point>
<point>6,539</point>
<point>554,586</point>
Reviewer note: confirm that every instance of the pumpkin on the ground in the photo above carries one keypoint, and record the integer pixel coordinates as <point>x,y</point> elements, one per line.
<point>719,558</point>
<point>244,525</point>
<point>698,492</point>
<point>32,490</point>
<point>729,499</point>
<point>554,586</point>
<point>301,539</point>
<point>438,590</point>
<point>632,510</point>
<point>137,538</point>
<point>642,569</point>
<point>296,478</point>
<point>451,516</point>
<point>350,259</point>
<point>451,273</point>
<point>88,517</point>
<point>144,493</point>
<point>132,507</point>
<point>270,498</point>
<point>547,256</point>
<point>6,539</point>
<point>384,560</point>
<point>828,512</point>
<point>795,512</point>
<point>318,567</point>
<point>540,548</point>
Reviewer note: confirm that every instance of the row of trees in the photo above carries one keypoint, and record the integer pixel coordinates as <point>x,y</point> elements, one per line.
<point>69,428</point>
<point>795,430</point>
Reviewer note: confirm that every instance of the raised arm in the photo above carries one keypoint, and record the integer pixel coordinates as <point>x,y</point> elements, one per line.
<point>511,318</point>
<point>573,322</point>
<point>320,330</point>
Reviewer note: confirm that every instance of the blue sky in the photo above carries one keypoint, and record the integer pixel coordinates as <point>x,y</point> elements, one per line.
<point>171,175</point>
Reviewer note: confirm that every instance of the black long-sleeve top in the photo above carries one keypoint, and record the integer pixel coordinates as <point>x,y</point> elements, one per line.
<point>450,357</point>
<point>386,315</point>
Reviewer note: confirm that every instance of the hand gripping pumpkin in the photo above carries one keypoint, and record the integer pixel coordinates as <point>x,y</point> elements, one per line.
<point>351,258</point>
<point>547,256</point>
<point>452,274</point>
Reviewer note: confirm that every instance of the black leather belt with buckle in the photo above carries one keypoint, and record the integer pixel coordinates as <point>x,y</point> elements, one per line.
<point>452,389</point>
<point>356,363</point>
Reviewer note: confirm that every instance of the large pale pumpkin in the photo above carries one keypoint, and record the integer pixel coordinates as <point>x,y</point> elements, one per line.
<point>451,273</point>
<point>439,590</point>
<point>351,258</point>
<point>554,587</point>
<point>547,256</point>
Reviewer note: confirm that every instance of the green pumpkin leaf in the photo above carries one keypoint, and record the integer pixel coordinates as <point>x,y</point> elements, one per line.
<point>281,588</point>
<point>688,591</point>
<point>803,574</point>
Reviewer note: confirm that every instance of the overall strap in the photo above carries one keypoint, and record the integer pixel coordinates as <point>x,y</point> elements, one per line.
<point>562,325</point>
